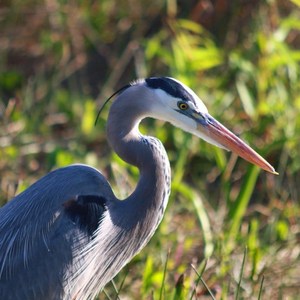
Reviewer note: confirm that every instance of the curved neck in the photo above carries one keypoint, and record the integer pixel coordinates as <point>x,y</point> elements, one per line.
<point>133,221</point>
<point>146,153</point>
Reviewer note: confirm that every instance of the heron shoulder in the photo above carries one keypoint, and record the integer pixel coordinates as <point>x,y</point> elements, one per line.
<point>86,211</point>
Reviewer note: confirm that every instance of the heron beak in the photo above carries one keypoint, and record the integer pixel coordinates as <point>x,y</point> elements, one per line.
<point>219,134</point>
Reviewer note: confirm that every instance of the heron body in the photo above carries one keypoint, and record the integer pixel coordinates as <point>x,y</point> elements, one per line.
<point>67,235</point>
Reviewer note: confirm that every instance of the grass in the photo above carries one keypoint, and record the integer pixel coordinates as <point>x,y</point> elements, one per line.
<point>58,68</point>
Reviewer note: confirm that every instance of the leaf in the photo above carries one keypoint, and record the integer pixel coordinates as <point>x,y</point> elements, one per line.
<point>297,2</point>
<point>88,118</point>
<point>179,288</point>
<point>192,195</point>
<point>246,98</point>
<point>239,207</point>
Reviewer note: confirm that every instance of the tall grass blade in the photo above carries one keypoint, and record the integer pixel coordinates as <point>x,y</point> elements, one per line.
<point>198,279</point>
<point>241,275</point>
<point>204,283</point>
<point>261,288</point>
<point>116,290</point>
<point>106,294</point>
<point>182,158</point>
<point>239,207</point>
<point>179,288</point>
<point>197,201</point>
<point>164,278</point>
<point>121,286</point>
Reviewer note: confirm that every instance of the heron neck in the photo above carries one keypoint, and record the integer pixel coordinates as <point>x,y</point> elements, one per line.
<point>148,155</point>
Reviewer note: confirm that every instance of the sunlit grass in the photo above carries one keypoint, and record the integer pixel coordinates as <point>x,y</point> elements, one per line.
<point>220,205</point>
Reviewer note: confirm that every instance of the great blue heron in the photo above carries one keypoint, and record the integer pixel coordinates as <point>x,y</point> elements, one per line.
<point>67,235</point>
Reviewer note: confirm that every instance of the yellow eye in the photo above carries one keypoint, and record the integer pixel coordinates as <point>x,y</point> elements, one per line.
<point>182,105</point>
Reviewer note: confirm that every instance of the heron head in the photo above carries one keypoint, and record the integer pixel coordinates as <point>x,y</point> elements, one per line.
<point>179,105</point>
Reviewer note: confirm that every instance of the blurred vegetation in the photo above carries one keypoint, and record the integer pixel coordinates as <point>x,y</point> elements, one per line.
<point>59,60</point>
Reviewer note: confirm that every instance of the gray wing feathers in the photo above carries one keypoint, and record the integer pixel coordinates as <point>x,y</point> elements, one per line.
<point>47,225</point>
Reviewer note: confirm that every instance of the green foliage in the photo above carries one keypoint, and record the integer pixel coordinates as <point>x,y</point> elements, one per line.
<point>61,59</point>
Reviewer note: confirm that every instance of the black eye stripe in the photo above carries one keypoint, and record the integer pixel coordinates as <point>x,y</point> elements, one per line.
<point>170,86</point>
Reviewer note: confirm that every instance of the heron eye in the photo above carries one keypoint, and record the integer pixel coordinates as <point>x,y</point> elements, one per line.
<point>182,105</point>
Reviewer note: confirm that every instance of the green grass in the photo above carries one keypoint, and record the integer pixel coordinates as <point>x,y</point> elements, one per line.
<point>59,61</point>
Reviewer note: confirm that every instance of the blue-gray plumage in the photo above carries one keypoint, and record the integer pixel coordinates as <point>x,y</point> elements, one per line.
<point>67,235</point>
